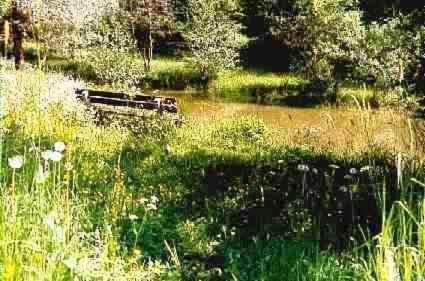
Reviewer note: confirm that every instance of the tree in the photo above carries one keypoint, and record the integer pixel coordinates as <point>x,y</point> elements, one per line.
<point>67,25</point>
<point>214,38</point>
<point>146,18</point>
<point>327,33</point>
<point>389,52</point>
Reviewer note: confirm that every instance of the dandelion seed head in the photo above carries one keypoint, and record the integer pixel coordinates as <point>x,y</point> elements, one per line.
<point>47,155</point>
<point>59,146</point>
<point>56,156</point>
<point>303,168</point>
<point>16,162</point>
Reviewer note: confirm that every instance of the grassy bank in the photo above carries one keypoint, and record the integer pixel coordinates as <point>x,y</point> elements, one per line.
<point>224,200</point>
<point>253,85</point>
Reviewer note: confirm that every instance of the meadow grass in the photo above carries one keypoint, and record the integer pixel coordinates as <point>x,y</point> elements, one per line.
<point>254,85</point>
<point>135,203</point>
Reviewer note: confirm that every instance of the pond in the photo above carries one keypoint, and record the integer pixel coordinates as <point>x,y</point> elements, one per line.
<point>325,126</point>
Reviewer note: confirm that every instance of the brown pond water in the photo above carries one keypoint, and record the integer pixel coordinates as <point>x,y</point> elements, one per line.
<point>325,127</point>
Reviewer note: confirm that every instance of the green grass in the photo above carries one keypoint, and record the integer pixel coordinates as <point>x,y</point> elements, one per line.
<point>253,85</point>
<point>252,81</point>
<point>224,200</point>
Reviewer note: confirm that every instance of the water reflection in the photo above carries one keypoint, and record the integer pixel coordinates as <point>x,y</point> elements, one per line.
<point>324,126</point>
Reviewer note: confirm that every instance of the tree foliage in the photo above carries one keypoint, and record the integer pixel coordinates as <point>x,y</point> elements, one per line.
<point>326,31</point>
<point>335,43</point>
<point>147,17</point>
<point>214,38</point>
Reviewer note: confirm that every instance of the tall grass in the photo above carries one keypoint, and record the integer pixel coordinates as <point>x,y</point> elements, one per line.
<point>398,252</point>
<point>120,205</point>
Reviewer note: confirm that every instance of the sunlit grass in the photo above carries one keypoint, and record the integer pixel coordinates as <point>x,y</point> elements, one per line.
<point>245,80</point>
<point>120,204</point>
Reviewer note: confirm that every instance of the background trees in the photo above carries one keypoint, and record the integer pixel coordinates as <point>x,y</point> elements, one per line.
<point>147,18</point>
<point>379,40</point>
<point>214,38</point>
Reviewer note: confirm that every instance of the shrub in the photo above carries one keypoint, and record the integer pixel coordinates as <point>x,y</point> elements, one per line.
<point>214,38</point>
<point>327,32</point>
<point>388,52</point>
<point>115,66</point>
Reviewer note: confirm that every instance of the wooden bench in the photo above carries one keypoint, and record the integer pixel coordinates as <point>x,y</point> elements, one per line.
<point>120,100</point>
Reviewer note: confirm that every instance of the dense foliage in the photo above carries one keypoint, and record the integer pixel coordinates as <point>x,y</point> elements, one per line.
<point>213,37</point>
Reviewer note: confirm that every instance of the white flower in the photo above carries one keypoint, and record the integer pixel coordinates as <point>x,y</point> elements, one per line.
<point>49,220</point>
<point>154,199</point>
<point>365,169</point>
<point>214,243</point>
<point>59,234</point>
<point>133,217</point>
<point>16,162</point>
<point>280,161</point>
<point>303,168</point>
<point>47,155</point>
<point>41,175</point>
<point>151,206</point>
<point>333,166</point>
<point>59,146</point>
<point>315,171</point>
<point>71,263</point>
<point>56,156</point>
<point>353,171</point>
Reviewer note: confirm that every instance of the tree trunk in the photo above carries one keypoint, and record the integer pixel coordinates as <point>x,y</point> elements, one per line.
<point>6,30</point>
<point>148,45</point>
<point>18,31</point>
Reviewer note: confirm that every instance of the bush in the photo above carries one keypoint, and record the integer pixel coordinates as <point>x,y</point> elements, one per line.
<point>214,38</point>
<point>116,67</point>
<point>327,32</point>
<point>389,52</point>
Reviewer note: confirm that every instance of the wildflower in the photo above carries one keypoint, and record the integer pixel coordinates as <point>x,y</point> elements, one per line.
<point>49,220</point>
<point>71,263</point>
<point>365,169</point>
<point>59,234</point>
<point>59,146</point>
<point>47,155</point>
<point>280,161</point>
<point>133,217</point>
<point>214,243</point>
<point>56,156</point>
<point>151,206</point>
<point>41,175</point>
<point>333,166</point>
<point>303,168</point>
<point>154,199</point>
<point>16,162</point>
<point>353,171</point>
